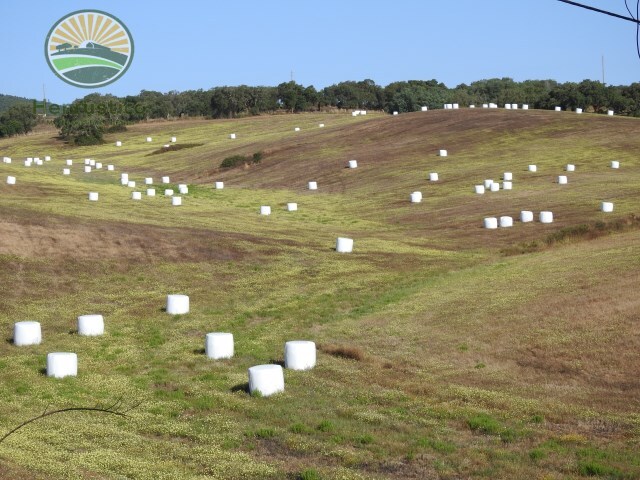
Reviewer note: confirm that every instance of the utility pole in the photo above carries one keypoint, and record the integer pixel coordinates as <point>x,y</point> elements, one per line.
<point>292,75</point>
<point>603,84</point>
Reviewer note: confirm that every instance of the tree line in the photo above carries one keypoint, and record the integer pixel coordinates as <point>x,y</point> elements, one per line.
<point>86,120</point>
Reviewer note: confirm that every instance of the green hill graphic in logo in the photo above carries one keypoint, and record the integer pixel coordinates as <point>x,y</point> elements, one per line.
<point>89,48</point>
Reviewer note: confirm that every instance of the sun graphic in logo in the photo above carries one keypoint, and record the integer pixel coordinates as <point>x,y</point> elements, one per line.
<point>89,48</point>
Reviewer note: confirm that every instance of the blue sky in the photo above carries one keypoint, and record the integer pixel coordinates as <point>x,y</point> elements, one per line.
<point>194,44</point>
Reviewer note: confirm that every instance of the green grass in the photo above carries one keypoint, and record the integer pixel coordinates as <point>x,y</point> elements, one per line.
<point>438,355</point>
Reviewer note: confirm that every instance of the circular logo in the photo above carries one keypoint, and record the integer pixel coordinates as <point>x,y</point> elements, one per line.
<point>89,48</point>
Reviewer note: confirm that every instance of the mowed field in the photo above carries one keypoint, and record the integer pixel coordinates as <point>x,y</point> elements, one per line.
<point>445,350</point>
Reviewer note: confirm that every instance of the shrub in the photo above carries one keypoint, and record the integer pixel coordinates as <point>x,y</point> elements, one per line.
<point>488,425</point>
<point>257,157</point>
<point>233,161</point>
<point>325,426</point>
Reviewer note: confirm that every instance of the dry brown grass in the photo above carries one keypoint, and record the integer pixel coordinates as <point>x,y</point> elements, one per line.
<point>343,351</point>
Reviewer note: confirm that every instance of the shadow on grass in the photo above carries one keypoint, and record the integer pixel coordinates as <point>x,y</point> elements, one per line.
<point>43,371</point>
<point>241,387</point>
<point>277,362</point>
<point>198,351</point>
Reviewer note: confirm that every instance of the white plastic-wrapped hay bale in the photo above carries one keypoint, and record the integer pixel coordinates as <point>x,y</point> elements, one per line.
<point>494,187</point>
<point>508,176</point>
<point>485,105</point>
<point>546,217</point>
<point>66,171</point>
<point>166,145</point>
<point>578,110</point>
<point>87,169</point>
<point>92,162</point>
<point>166,180</point>
<point>148,181</point>
<point>87,161</point>
<point>493,105</point>
<point>514,106</point>
<point>151,192</point>
<point>313,185</point>
<point>177,304</point>
<point>355,114</point>
<point>27,163</point>
<point>442,153</point>
<point>615,164</point>
<point>90,325</point>
<point>353,164</point>
<point>218,345</point>
<point>526,216</point>
<point>607,207</point>
<point>296,129</point>
<point>416,197</point>
<point>27,333</point>
<point>136,195</point>
<point>507,106</point>
<point>321,125</point>
<point>111,168</point>
<point>507,185</point>
<point>456,106</point>
<point>506,222</point>
<point>433,177</point>
<point>562,180</point>
<point>98,166</point>
<point>62,364</point>
<point>610,113</point>
<point>174,139</point>
<point>6,160</point>
<point>479,189</point>
<point>448,106</point>
<point>424,108</point>
<point>219,185</point>
<point>38,162</point>
<point>525,106</point>
<point>344,245</point>
<point>149,139</point>
<point>183,189</point>
<point>292,207</point>
<point>490,223</point>
<point>176,201</point>
<point>118,143</point>
<point>266,380</point>
<point>299,355</point>
<point>363,112</point>
<point>488,182</point>
<point>168,192</point>
<point>472,106</point>
<point>533,168</point>
<point>131,184</point>
<point>395,113</point>
<point>265,210</point>
<point>47,158</point>
<point>558,109</point>
<point>232,136</point>
<point>124,178</point>
<point>570,167</point>
<point>11,180</point>
<point>93,196</point>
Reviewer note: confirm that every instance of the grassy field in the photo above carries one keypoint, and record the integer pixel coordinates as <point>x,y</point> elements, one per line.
<point>445,350</point>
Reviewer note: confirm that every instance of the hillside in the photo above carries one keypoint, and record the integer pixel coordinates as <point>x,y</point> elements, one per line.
<point>7,101</point>
<point>446,350</point>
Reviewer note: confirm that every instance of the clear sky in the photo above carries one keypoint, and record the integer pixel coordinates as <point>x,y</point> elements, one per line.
<point>192,44</point>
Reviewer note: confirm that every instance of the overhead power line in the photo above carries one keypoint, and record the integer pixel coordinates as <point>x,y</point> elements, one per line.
<point>630,19</point>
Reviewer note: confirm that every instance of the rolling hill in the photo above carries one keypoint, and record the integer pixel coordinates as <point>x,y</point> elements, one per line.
<point>445,350</point>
